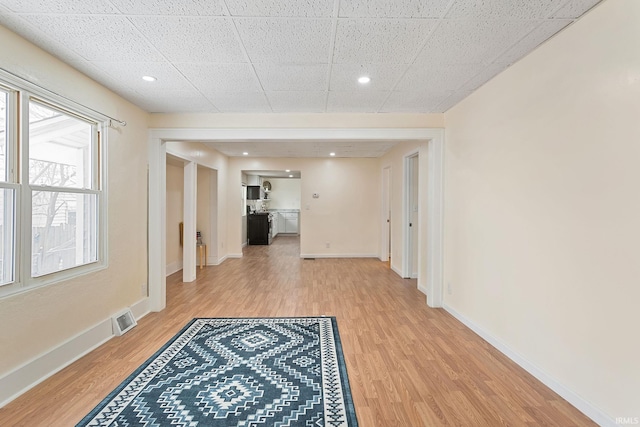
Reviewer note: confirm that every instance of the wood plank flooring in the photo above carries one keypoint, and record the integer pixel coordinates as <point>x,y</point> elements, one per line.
<point>408,364</point>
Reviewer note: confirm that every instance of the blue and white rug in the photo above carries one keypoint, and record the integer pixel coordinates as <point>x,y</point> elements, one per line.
<point>238,372</point>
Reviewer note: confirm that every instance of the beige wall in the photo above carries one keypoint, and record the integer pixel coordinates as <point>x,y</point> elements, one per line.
<point>285,193</point>
<point>217,163</point>
<point>542,208</point>
<point>175,215</point>
<point>346,214</point>
<point>36,321</point>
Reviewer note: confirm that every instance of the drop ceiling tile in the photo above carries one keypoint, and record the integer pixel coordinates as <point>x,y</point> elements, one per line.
<point>214,77</point>
<point>297,102</point>
<point>96,37</point>
<point>293,77</point>
<point>383,76</point>
<point>179,101</point>
<point>502,9</point>
<point>363,101</point>
<point>574,9</point>
<point>458,42</point>
<point>94,7</point>
<point>118,86</point>
<point>452,101</point>
<point>540,34</point>
<point>23,28</point>
<point>486,74</point>
<point>291,8</point>
<point>130,73</point>
<point>171,7</point>
<point>393,9</point>
<point>434,79</point>
<point>376,41</point>
<point>192,39</point>
<point>414,101</point>
<point>286,40</point>
<point>234,102</point>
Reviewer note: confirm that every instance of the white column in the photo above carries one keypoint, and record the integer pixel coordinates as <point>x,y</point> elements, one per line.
<point>157,214</point>
<point>190,212</point>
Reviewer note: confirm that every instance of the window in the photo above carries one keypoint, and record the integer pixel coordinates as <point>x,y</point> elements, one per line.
<point>51,210</point>
<point>7,195</point>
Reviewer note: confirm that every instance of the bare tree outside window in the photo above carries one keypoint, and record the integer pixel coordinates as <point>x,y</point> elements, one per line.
<point>63,211</point>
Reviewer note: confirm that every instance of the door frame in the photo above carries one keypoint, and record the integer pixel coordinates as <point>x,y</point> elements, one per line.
<point>431,283</point>
<point>385,214</point>
<point>407,241</point>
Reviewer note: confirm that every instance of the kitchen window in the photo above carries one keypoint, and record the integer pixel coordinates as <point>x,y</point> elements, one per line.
<point>52,204</point>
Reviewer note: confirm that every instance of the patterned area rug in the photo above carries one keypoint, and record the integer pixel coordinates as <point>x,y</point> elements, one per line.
<point>238,372</point>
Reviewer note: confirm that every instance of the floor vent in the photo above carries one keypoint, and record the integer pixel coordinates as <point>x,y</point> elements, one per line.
<point>123,322</point>
<point>309,259</point>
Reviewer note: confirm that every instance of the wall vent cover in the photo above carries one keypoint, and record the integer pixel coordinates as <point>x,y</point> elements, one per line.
<point>123,322</point>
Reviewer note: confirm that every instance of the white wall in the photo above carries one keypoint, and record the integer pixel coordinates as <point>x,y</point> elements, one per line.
<point>175,215</point>
<point>542,209</point>
<point>346,214</point>
<point>203,213</point>
<point>285,193</point>
<point>42,319</point>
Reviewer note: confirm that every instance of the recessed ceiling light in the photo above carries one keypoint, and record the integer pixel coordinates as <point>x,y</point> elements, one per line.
<point>364,80</point>
<point>244,153</point>
<point>290,176</point>
<point>149,78</point>
<point>287,170</point>
<point>332,154</point>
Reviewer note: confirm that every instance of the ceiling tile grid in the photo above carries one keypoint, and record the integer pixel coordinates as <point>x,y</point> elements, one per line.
<point>291,56</point>
<point>220,77</point>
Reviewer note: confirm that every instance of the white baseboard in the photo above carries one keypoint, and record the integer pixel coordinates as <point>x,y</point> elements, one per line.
<point>569,395</point>
<point>174,267</point>
<point>232,256</point>
<point>219,261</point>
<point>33,372</point>
<point>338,256</point>
<point>422,289</point>
<point>396,270</point>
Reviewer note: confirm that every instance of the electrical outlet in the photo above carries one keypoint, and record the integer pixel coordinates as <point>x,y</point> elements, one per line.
<point>449,288</point>
<point>328,244</point>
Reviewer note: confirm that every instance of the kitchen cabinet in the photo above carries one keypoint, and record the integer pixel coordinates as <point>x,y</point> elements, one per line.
<point>275,221</point>
<point>289,222</point>
<point>258,229</point>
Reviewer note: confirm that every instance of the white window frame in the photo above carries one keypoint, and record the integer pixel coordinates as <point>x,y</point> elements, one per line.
<point>18,179</point>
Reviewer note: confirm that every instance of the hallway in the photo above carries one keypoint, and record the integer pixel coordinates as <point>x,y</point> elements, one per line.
<point>408,364</point>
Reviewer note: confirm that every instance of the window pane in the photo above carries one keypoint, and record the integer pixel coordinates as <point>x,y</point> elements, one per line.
<point>7,227</point>
<point>63,231</point>
<point>59,148</point>
<point>4,99</point>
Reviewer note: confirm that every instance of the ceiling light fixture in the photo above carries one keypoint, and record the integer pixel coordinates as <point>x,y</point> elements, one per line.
<point>332,154</point>
<point>287,170</point>
<point>244,153</point>
<point>149,78</point>
<point>290,176</point>
<point>364,80</point>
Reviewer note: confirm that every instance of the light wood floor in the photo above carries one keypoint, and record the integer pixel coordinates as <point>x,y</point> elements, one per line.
<point>408,364</point>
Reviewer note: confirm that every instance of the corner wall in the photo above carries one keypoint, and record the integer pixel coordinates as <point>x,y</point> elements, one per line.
<point>36,322</point>
<point>542,211</point>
